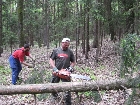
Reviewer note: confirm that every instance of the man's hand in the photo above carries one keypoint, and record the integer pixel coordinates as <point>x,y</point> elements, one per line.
<point>30,66</point>
<point>70,69</point>
<point>55,69</point>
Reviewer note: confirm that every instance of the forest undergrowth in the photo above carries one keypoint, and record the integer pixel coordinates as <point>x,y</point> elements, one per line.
<point>107,68</point>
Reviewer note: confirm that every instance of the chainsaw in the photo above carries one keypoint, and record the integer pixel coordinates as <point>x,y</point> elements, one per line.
<point>65,74</point>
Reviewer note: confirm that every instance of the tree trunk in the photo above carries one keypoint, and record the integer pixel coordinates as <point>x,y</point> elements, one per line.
<point>77,29</point>
<point>20,17</point>
<point>1,49</point>
<point>87,29</point>
<point>69,86</point>
<point>108,8</point>
<point>129,5</point>
<point>84,32</point>
<point>95,40</point>
<point>46,33</point>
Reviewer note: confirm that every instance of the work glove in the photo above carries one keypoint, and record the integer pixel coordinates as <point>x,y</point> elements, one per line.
<point>70,69</point>
<point>55,69</point>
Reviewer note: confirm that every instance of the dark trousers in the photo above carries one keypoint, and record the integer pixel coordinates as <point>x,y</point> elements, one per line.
<point>15,67</point>
<point>56,79</point>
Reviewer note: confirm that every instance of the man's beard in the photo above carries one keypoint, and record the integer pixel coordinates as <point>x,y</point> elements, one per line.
<point>65,48</point>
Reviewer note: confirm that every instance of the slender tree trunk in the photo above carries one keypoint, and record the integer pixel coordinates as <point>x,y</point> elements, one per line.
<point>1,49</point>
<point>95,41</point>
<point>78,24</point>
<point>128,5</point>
<point>77,29</point>
<point>20,18</point>
<point>98,40</point>
<point>137,18</point>
<point>84,32</point>
<point>87,29</point>
<point>28,27</point>
<point>87,37</point>
<point>46,33</point>
<point>107,4</point>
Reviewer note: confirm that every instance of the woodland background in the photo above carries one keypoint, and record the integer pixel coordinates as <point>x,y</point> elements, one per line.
<point>104,37</point>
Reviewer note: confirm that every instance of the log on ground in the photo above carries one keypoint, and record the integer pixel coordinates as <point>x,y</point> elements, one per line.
<point>68,86</point>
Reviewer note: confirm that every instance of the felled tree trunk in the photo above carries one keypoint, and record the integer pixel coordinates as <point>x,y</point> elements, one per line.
<point>69,86</point>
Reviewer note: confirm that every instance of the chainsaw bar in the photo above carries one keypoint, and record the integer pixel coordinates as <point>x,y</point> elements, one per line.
<point>63,73</point>
<point>80,76</point>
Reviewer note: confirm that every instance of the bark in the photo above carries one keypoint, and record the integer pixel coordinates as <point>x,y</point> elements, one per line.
<point>87,29</point>
<point>69,86</point>
<point>129,5</point>
<point>20,17</point>
<point>109,18</point>
<point>96,37</point>
<point>46,33</point>
<point>1,49</point>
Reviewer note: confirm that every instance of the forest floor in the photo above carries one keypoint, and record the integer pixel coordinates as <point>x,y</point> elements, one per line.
<point>107,68</point>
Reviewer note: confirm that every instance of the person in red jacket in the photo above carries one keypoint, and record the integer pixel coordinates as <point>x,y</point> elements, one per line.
<point>16,59</point>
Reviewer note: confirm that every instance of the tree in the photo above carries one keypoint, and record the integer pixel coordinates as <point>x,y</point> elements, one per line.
<point>108,8</point>
<point>1,49</point>
<point>47,18</point>
<point>20,20</point>
<point>88,2</point>
<point>97,31</point>
<point>130,15</point>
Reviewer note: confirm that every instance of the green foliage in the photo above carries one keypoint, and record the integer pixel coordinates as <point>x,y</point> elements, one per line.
<point>130,54</point>
<point>9,24</point>
<point>37,77</point>
<point>102,67</point>
<point>92,94</point>
<point>129,100</point>
<point>93,77</point>
<point>132,98</point>
<point>3,74</point>
<point>9,37</point>
<point>86,70</point>
<point>96,95</point>
<point>88,94</point>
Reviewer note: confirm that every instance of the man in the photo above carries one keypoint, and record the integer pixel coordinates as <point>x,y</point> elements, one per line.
<point>16,59</point>
<point>62,58</point>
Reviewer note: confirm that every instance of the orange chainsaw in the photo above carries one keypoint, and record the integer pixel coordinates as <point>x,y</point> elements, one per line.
<point>65,74</point>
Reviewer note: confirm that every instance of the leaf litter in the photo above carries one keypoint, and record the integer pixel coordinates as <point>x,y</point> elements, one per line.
<point>107,68</point>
